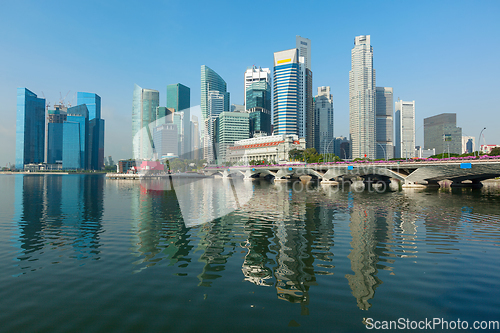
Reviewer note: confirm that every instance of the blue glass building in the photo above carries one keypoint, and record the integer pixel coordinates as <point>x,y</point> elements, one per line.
<point>30,128</point>
<point>95,146</point>
<point>71,154</point>
<point>76,115</point>
<point>258,95</point>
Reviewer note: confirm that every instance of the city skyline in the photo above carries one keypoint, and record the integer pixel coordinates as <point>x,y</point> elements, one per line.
<point>107,64</point>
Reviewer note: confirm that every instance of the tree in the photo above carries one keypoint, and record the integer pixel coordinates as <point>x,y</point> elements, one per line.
<point>495,151</point>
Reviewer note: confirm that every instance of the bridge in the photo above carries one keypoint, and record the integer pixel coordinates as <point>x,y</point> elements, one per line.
<point>412,173</point>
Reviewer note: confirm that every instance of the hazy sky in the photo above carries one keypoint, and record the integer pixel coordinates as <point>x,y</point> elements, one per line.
<point>442,54</point>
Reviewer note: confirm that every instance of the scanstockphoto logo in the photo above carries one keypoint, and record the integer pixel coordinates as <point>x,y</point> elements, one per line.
<point>430,324</point>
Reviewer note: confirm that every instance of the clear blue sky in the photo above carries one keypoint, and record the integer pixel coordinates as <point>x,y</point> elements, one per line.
<point>442,54</point>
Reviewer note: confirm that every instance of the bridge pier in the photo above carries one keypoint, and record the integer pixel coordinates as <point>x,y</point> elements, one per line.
<point>471,184</point>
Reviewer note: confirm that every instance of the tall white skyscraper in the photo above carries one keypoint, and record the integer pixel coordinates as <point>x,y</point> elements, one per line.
<point>384,123</point>
<point>405,129</point>
<point>362,99</point>
<point>254,74</point>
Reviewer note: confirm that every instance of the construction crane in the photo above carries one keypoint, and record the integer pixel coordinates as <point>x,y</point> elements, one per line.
<point>61,100</point>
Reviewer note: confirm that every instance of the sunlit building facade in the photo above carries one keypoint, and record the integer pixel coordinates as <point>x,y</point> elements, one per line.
<point>362,99</point>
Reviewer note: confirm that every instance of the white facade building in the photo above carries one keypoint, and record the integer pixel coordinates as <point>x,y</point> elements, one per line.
<point>405,129</point>
<point>274,149</point>
<point>362,99</point>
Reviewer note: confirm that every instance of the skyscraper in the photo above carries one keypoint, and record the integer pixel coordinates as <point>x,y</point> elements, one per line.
<point>288,114</point>
<point>323,109</point>
<point>405,129</point>
<point>95,151</point>
<point>76,138</point>
<point>30,128</point>
<point>211,82</point>
<point>384,123</point>
<point>254,75</point>
<point>362,99</point>
<point>258,95</point>
<point>303,45</point>
<point>229,127</point>
<point>441,132</point>
<point>179,98</point>
<point>144,104</point>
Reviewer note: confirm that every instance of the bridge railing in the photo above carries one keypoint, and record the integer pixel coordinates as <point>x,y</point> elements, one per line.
<point>482,158</point>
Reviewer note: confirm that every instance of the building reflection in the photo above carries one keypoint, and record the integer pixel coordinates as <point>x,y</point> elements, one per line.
<point>159,233</point>
<point>372,233</point>
<point>56,211</point>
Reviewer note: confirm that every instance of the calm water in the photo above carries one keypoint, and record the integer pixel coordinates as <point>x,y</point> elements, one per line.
<point>85,254</point>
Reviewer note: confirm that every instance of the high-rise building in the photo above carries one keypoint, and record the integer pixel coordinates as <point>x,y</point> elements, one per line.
<point>164,115</point>
<point>95,158</point>
<point>229,127</point>
<point>258,95</point>
<point>289,107</point>
<point>166,140</point>
<point>195,137</point>
<point>76,138</point>
<point>441,132</point>
<point>30,128</point>
<point>323,109</point>
<point>254,75</point>
<point>211,82</point>
<point>468,144</point>
<point>384,123</point>
<point>179,98</point>
<point>303,45</point>
<point>144,104</point>
<point>237,108</point>
<point>362,99</point>
<point>405,129</point>
<point>342,148</point>
<point>260,122</point>
<point>178,120</point>
<point>56,119</point>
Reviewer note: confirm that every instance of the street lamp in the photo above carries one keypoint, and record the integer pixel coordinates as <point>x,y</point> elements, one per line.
<point>479,140</point>
<point>385,155</point>
<point>328,147</point>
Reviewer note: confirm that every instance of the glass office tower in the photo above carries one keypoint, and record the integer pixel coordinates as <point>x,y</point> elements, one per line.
<point>76,138</point>
<point>179,98</point>
<point>212,85</point>
<point>323,109</point>
<point>258,95</point>
<point>95,152</point>
<point>30,128</point>
<point>144,104</point>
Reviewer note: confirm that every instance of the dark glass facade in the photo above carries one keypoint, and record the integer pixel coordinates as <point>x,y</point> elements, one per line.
<point>95,141</point>
<point>259,96</point>
<point>260,121</point>
<point>30,128</point>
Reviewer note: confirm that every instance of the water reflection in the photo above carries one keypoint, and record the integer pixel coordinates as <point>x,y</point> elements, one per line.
<point>286,238</point>
<point>57,212</point>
